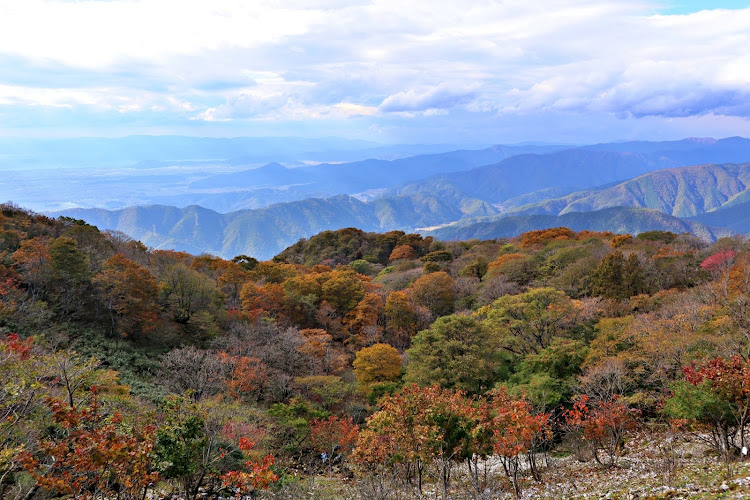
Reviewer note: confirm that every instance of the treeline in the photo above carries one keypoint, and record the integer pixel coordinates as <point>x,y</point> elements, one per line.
<point>128,371</point>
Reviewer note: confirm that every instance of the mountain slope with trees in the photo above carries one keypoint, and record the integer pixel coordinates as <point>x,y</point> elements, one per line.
<point>583,361</point>
<point>616,219</point>
<point>682,192</point>
<point>735,217</point>
<point>264,232</point>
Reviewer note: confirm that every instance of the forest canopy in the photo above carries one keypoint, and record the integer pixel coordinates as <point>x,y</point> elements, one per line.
<point>128,371</point>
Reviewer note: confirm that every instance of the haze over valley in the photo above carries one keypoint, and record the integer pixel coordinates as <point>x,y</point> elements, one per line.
<point>228,209</point>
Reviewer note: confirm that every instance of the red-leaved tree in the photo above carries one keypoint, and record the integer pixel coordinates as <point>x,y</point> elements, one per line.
<point>93,455</point>
<point>603,424</point>
<point>255,475</point>
<point>334,436</point>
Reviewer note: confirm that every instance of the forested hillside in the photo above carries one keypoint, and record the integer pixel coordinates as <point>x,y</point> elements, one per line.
<point>556,364</point>
<point>682,192</point>
<point>735,217</point>
<point>621,220</point>
<point>264,232</point>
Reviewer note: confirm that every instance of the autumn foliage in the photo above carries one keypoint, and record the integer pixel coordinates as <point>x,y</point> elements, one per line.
<point>603,424</point>
<point>93,455</point>
<point>253,476</point>
<point>446,366</point>
<point>544,236</point>
<point>420,425</point>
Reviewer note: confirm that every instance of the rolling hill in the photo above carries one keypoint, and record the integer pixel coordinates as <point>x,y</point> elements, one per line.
<point>523,174</point>
<point>617,220</point>
<point>328,179</point>
<point>517,194</point>
<point>493,174</point>
<point>732,216</point>
<point>547,175</point>
<point>682,192</point>
<point>264,232</point>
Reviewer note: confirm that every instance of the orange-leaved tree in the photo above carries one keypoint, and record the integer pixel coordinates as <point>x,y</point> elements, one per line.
<point>93,455</point>
<point>419,426</point>
<point>377,364</point>
<point>516,432</point>
<point>129,292</point>
<point>335,437</point>
<point>254,475</point>
<point>402,320</point>
<point>435,292</point>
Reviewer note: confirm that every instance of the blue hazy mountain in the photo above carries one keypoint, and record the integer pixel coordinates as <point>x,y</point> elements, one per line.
<point>734,216</point>
<point>580,168</point>
<point>348,178</point>
<point>264,232</point>
<point>683,192</point>
<point>449,192</point>
<point>617,220</point>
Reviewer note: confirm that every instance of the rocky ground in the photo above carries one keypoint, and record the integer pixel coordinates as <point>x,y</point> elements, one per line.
<point>653,466</point>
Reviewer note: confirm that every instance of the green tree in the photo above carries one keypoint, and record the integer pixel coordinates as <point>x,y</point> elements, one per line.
<point>247,263</point>
<point>616,277</point>
<point>70,272</point>
<point>528,322</point>
<point>343,290</point>
<point>548,378</point>
<point>187,292</point>
<point>69,264</point>
<point>181,444</point>
<point>456,352</point>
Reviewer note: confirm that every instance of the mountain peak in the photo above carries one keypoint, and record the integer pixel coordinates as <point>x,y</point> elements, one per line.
<point>272,167</point>
<point>701,140</point>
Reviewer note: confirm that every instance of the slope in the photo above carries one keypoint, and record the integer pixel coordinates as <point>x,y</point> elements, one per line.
<point>262,233</point>
<point>519,175</point>
<point>348,178</point>
<point>580,168</point>
<point>617,219</point>
<point>682,192</point>
<point>734,217</point>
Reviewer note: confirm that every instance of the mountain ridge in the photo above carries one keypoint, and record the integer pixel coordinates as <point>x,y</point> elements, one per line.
<point>631,220</point>
<point>682,192</point>
<point>266,231</point>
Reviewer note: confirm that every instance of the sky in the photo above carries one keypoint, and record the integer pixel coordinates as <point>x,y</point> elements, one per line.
<point>392,71</point>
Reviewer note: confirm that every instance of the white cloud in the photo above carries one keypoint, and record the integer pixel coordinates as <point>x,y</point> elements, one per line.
<point>276,60</point>
<point>94,34</point>
<point>440,97</point>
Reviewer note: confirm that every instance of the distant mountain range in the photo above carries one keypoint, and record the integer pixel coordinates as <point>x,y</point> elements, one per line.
<point>265,232</point>
<point>616,219</point>
<point>577,168</point>
<point>274,183</point>
<point>623,187</point>
<point>691,151</point>
<point>683,192</point>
